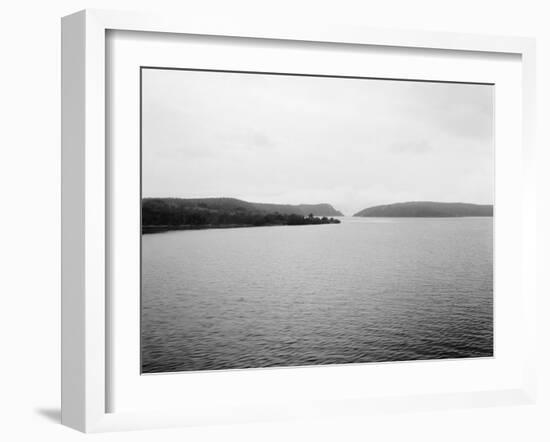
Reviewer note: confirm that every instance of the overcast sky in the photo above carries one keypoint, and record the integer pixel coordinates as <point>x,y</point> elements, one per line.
<point>286,139</point>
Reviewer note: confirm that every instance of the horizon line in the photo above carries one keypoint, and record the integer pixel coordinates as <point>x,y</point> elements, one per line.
<point>311,204</point>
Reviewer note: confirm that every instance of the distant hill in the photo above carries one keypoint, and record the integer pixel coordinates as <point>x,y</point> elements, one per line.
<point>226,204</point>
<point>159,214</point>
<point>231,204</point>
<point>428,209</point>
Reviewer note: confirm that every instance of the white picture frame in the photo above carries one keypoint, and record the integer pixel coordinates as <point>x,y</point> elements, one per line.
<point>85,210</point>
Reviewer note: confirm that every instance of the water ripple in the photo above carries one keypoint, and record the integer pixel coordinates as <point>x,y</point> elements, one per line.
<point>361,291</point>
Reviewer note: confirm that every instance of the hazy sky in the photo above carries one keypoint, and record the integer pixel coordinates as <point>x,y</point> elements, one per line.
<point>285,139</point>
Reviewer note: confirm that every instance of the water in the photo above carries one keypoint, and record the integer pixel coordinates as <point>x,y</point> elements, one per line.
<point>365,290</point>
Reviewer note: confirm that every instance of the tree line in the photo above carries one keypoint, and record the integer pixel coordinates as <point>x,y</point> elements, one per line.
<point>156,212</point>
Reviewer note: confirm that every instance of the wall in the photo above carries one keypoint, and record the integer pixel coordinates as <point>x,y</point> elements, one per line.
<point>30,221</point>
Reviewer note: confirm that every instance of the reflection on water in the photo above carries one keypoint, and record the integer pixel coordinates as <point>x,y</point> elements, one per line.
<point>361,291</point>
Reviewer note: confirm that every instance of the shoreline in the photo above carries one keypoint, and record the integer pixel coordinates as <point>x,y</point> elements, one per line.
<point>160,229</point>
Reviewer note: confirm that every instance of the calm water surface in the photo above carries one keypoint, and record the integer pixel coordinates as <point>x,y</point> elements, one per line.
<point>365,290</point>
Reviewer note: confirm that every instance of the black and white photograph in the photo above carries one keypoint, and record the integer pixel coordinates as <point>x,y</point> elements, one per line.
<point>244,221</point>
<point>303,220</point>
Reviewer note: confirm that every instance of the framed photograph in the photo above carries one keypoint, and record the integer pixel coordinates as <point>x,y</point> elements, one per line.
<point>262,222</point>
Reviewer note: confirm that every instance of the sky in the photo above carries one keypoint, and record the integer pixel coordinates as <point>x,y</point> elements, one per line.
<point>352,143</point>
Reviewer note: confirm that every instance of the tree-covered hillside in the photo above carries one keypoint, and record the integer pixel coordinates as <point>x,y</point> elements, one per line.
<point>178,213</point>
<point>427,209</point>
